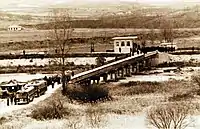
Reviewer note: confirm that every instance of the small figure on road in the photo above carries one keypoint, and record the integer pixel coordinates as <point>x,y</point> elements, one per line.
<point>24,53</point>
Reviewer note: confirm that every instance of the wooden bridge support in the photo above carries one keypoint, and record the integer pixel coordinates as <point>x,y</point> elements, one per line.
<point>135,68</point>
<point>95,79</point>
<point>98,81</point>
<point>122,72</point>
<point>111,76</point>
<point>105,77</point>
<point>116,77</point>
<point>148,63</point>
<point>86,82</point>
<point>141,66</point>
<point>118,72</point>
<point>128,71</point>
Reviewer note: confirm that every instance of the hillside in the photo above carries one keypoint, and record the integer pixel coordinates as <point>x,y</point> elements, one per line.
<point>145,17</point>
<point>111,15</point>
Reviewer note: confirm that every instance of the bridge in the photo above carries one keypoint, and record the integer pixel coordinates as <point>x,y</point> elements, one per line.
<point>119,68</point>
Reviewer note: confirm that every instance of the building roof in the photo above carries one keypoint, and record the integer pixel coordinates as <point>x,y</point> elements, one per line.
<point>12,83</point>
<point>125,38</point>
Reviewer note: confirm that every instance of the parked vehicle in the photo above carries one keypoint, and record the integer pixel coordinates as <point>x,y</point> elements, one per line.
<point>11,87</point>
<point>40,87</point>
<point>30,91</point>
<point>26,95</point>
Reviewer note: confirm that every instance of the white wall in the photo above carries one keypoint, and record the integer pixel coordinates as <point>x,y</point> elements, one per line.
<point>125,48</point>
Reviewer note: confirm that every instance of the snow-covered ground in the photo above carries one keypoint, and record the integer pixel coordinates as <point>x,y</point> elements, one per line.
<point>139,122</point>
<point>154,78</point>
<point>184,74</point>
<point>47,61</point>
<point>110,121</point>
<point>184,58</point>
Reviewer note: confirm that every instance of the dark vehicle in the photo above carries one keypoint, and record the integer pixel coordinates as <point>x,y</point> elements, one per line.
<point>30,91</point>
<point>26,95</point>
<point>40,87</point>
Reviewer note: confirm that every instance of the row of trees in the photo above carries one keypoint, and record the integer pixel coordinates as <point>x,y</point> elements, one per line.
<point>164,34</point>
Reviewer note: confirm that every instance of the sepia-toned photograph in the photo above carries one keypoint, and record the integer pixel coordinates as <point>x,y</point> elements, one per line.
<point>99,64</point>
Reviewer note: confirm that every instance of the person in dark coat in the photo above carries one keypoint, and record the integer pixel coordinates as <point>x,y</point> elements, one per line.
<point>24,53</point>
<point>12,96</point>
<point>73,73</point>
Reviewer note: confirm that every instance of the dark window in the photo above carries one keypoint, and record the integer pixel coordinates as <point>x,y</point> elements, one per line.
<point>122,44</point>
<point>117,43</point>
<point>128,43</point>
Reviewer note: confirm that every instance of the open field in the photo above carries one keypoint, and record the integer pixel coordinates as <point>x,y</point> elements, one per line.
<point>37,47</point>
<point>38,35</point>
<point>37,39</point>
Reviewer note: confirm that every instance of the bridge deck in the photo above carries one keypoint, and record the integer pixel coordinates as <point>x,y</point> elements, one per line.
<point>112,66</point>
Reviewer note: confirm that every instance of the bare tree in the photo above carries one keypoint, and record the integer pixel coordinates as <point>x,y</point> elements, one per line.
<point>95,116</point>
<point>170,116</point>
<point>167,31</point>
<point>61,33</point>
<point>152,36</point>
<point>143,39</point>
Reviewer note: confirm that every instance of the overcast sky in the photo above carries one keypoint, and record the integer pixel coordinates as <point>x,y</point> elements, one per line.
<point>38,3</point>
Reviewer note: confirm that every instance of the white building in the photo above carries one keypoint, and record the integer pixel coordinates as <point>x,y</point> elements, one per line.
<point>124,44</point>
<point>15,28</point>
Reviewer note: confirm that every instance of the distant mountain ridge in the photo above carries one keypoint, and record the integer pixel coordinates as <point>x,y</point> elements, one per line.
<point>121,14</point>
<point>78,8</point>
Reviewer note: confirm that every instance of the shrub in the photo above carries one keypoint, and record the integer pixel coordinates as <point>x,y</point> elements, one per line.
<point>51,110</point>
<point>141,87</point>
<point>181,96</point>
<point>74,123</point>
<point>95,116</point>
<point>133,83</point>
<point>90,94</point>
<point>196,79</point>
<point>170,116</point>
<point>2,120</point>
